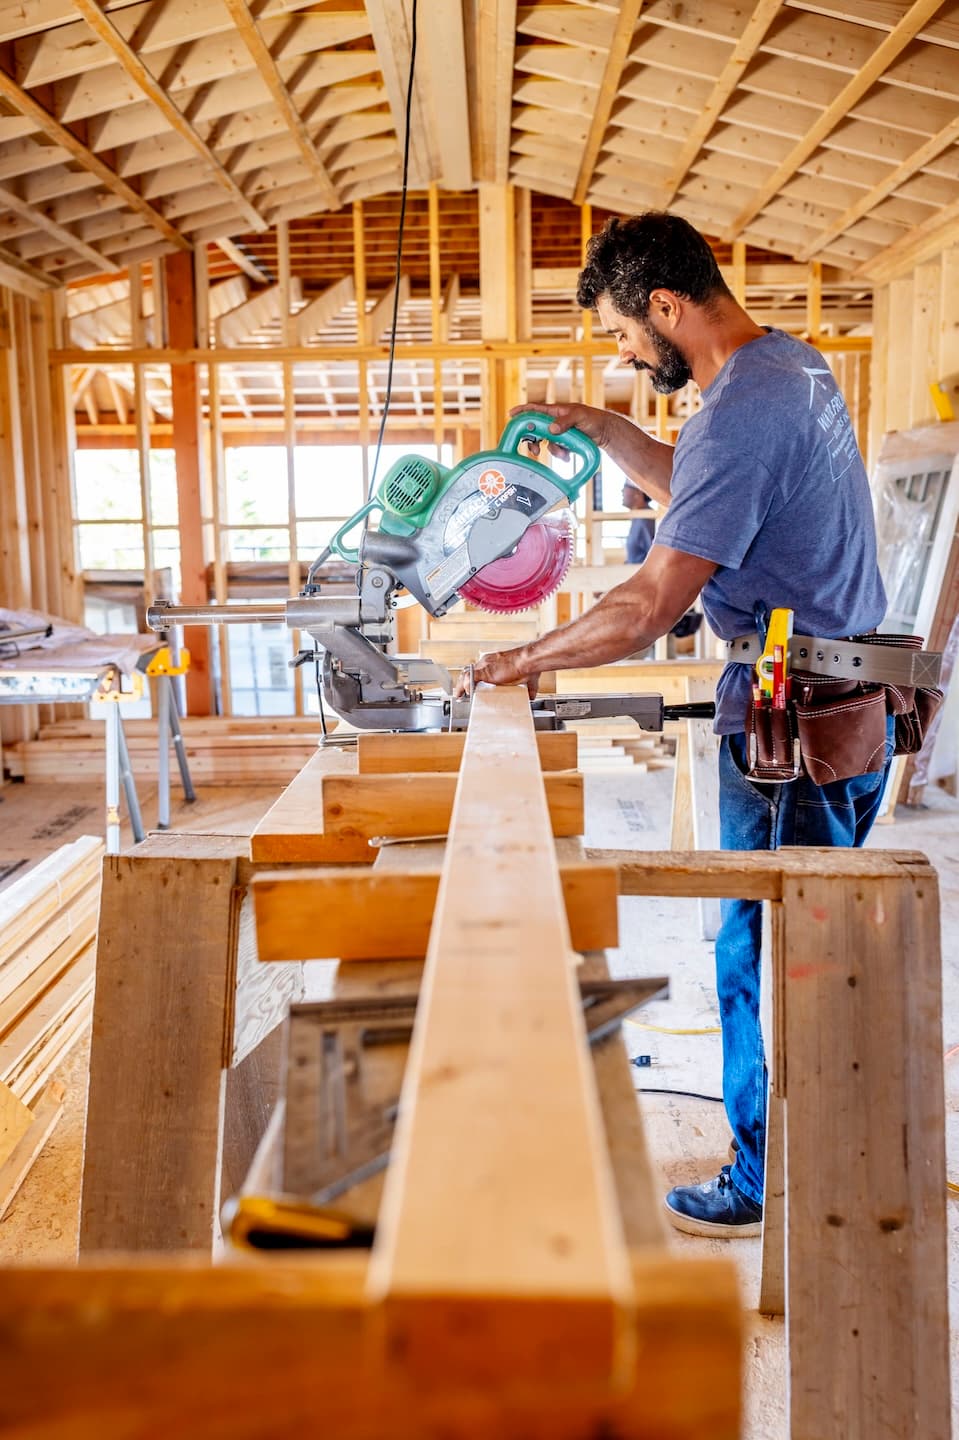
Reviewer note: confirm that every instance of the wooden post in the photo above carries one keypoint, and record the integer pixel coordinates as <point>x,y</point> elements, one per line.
<point>363,394</point>
<point>288,322</point>
<point>867,1315</point>
<point>180,999</point>
<point>181,322</point>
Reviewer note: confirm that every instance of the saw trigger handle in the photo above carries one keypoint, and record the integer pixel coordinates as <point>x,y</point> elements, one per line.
<point>351,553</point>
<point>534,426</point>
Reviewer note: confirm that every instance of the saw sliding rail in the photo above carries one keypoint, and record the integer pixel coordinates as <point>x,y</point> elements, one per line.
<point>347,628</point>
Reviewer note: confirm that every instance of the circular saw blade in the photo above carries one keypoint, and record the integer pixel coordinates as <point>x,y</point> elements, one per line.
<point>523,579</point>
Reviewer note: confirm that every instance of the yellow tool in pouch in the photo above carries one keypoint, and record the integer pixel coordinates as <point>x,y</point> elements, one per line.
<point>778,636</point>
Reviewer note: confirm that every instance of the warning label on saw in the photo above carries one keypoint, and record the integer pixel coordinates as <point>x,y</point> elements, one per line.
<point>450,575</point>
<point>492,483</point>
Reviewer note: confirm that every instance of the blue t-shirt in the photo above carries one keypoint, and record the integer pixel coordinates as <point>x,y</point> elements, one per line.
<point>768,482</point>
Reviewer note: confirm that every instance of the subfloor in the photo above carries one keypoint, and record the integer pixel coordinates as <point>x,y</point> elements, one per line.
<point>688,1136</point>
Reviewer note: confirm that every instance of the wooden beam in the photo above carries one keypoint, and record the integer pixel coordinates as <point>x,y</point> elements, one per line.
<point>362,807</point>
<point>896,177</point>
<point>184,391</point>
<point>261,1346</point>
<point>293,827</point>
<point>240,258</point>
<point>446,82</point>
<point>51,127</point>
<point>938,233</point>
<point>548,1268</point>
<point>133,66</point>
<point>267,66</point>
<point>23,277</point>
<point>616,59</point>
<point>39,220</point>
<point>382,754</point>
<point>347,913</point>
<point>880,60</point>
<point>729,77</point>
<point>391,24</point>
<point>318,313</point>
<point>491,100</point>
<point>380,315</point>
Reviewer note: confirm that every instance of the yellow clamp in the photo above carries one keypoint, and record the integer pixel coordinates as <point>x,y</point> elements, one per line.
<point>110,688</point>
<point>779,633</point>
<point>162,662</point>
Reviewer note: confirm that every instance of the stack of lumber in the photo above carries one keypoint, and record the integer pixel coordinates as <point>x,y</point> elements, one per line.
<point>220,751</point>
<point>48,922</point>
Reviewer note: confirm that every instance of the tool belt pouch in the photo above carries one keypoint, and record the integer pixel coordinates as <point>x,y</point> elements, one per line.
<point>771,745</point>
<point>914,707</point>
<point>841,726</point>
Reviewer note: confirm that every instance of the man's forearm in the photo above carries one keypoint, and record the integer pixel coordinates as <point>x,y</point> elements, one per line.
<point>610,631</point>
<point>647,462</point>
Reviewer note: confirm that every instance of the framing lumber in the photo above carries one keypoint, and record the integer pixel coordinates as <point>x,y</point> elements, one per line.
<point>293,828</point>
<point>616,59</point>
<point>391,24</point>
<point>253,1349</point>
<point>318,313</point>
<point>44,1118</point>
<point>249,267</point>
<point>51,126</point>
<point>443,44</point>
<point>729,77</point>
<point>381,754</point>
<point>521,1282</point>
<point>364,807</point>
<point>128,58</point>
<point>879,61</point>
<point>491,99</point>
<point>179,999</point>
<point>369,915</point>
<point>185,400</point>
<point>246,25</point>
<point>39,220</point>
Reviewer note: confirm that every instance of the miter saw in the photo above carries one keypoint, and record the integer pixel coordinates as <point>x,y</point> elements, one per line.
<point>496,530</point>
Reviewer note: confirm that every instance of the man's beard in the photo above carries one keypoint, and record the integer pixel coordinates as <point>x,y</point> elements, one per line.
<point>672,372</point>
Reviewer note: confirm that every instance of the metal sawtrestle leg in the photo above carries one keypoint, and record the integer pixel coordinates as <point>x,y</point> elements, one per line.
<point>129,784</point>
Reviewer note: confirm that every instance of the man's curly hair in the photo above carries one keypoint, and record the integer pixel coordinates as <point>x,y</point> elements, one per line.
<point>629,259</point>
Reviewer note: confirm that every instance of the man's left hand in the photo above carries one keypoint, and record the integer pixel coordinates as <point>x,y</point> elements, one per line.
<point>503,667</point>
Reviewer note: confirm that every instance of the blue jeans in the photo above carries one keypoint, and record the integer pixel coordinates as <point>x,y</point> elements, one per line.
<point>764,817</point>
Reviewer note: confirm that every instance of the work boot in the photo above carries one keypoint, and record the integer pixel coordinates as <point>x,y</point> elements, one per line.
<point>715,1208</point>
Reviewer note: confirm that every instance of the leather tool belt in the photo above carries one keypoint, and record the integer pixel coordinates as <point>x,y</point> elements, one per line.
<point>833,726</point>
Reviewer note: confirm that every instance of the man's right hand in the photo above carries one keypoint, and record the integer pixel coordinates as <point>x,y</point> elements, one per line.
<point>588,418</point>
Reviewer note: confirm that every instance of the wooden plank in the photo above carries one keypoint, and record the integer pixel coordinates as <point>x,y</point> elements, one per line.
<point>34,967</point>
<point>362,807</point>
<point>16,1166</point>
<point>39,894</point>
<point>704,793</point>
<point>382,754</point>
<point>867,1309</point>
<point>52,1007</point>
<point>470,1287</point>
<point>15,1118</point>
<point>190,1350</point>
<point>744,875</point>
<point>164,964</point>
<point>293,828</point>
<point>371,915</point>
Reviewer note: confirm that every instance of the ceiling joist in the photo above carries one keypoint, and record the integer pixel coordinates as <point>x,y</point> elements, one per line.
<point>133,66</point>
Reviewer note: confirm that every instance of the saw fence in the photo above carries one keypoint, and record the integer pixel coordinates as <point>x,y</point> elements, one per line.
<point>519,1283</point>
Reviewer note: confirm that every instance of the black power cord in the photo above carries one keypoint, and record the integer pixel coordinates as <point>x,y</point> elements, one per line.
<point>399,249</point>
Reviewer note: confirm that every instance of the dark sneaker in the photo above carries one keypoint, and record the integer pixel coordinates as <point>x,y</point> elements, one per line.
<point>715,1208</point>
